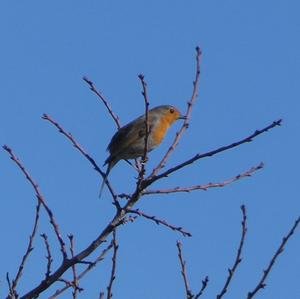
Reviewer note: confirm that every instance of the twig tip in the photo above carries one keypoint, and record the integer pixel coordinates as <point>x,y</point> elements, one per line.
<point>86,79</point>
<point>198,50</point>
<point>7,148</point>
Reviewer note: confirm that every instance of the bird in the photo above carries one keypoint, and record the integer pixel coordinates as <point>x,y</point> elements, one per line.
<point>129,141</point>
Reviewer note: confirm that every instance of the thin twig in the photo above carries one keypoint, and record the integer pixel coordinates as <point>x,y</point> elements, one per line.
<point>29,247</point>
<point>48,257</point>
<point>238,258</point>
<point>105,102</point>
<point>84,153</point>
<point>90,266</point>
<point>204,285</point>
<point>261,284</point>
<point>188,114</point>
<point>147,128</point>
<point>197,157</point>
<point>248,173</point>
<point>40,199</point>
<point>114,265</point>
<point>75,277</point>
<point>162,222</point>
<point>12,293</point>
<point>189,294</point>
<point>66,282</point>
<point>101,295</point>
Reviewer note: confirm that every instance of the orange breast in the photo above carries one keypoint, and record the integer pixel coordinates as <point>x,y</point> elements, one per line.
<point>160,131</point>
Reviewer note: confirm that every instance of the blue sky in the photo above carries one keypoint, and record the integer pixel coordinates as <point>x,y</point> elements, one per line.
<point>249,77</point>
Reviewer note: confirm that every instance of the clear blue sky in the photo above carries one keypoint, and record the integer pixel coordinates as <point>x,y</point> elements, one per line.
<point>250,77</point>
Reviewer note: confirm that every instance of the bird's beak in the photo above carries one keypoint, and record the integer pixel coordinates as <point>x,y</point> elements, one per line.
<point>182,117</point>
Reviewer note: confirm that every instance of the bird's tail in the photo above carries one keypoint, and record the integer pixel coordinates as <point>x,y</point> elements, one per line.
<point>110,164</point>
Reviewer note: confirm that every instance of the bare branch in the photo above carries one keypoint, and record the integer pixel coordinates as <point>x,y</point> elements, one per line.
<point>189,294</point>
<point>197,157</point>
<point>147,128</point>
<point>248,173</point>
<point>90,266</point>
<point>114,265</point>
<point>12,293</point>
<point>105,102</point>
<point>75,277</point>
<point>29,247</point>
<point>238,258</point>
<point>204,285</point>
<point>48,257</point>
<point>41,200</point>
<point>261,284</point>
<point>162,222</point>
<point>188,115</point>
<point>84,153</point>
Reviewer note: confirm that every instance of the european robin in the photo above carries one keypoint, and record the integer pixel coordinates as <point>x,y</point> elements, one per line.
<point>129,141</point>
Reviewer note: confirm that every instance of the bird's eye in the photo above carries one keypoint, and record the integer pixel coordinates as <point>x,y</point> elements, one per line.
<point>172,110</point>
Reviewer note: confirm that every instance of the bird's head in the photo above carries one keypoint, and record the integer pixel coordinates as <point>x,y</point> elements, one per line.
<point>169,113</point>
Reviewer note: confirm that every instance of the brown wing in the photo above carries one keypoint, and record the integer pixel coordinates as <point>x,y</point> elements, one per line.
<point>126,136</point>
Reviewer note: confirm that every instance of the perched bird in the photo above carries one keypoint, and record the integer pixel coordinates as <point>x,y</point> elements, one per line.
<point>129,141</point>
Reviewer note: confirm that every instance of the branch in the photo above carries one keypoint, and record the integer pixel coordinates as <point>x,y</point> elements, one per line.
<point>48,257</point>
<point>188,115</point>
<point>238,258</point>
<point>105,102</point>
<point>114,265</point>
<point>204,285</point>
<point>162,222</point>
<point>189,294</point>
<point>147,128</point>
<point>12,293</point>
<point>84,272</point>
<point>41,200</point>
<point>75,277</point>
<point>84,153</point>
<point>197,157</point>
<point>29,248</point>
<point>261,284</point>
<point>207,186</point>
